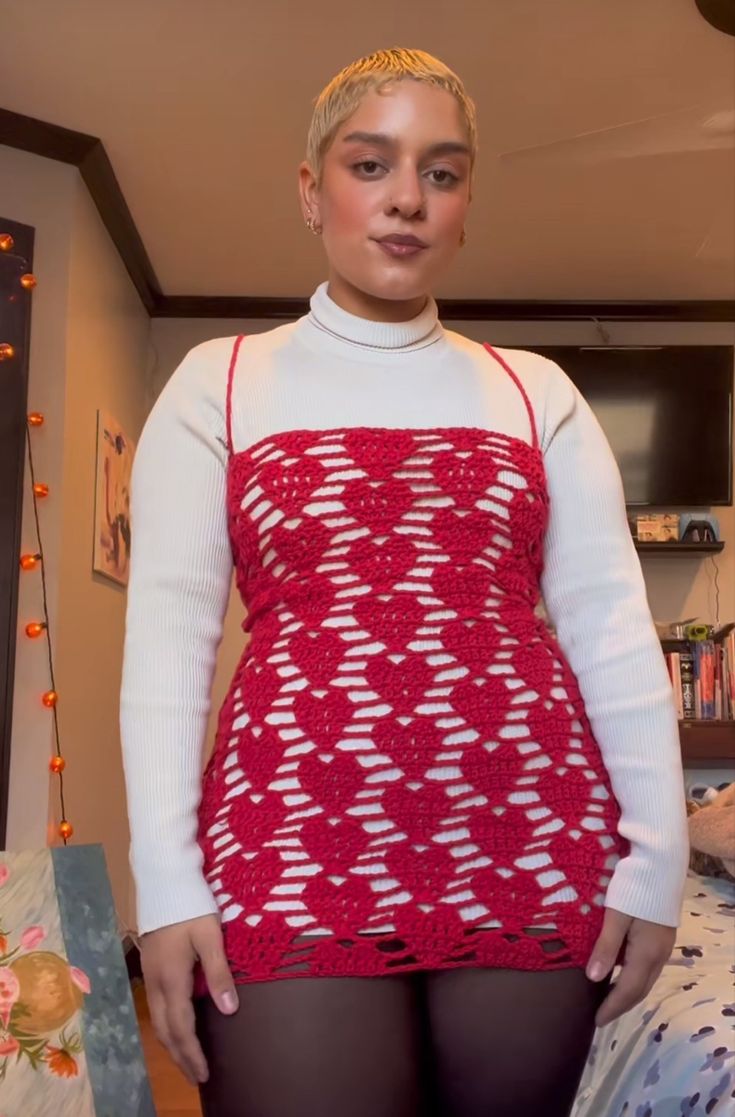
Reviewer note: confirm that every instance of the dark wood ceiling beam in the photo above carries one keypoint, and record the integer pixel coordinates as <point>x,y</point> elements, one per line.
<point>89,155</point>
<point>462,310</point>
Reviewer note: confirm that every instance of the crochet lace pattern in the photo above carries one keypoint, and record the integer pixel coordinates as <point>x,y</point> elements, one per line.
<point>404,776</point>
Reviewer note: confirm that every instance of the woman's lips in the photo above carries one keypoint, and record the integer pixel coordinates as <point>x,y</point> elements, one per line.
<point>398,247</point>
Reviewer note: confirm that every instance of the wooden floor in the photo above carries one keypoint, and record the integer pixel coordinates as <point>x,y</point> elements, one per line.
<point>172,1094</point>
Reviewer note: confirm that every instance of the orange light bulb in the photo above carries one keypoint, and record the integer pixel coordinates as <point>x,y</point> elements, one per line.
<point>7,244</point>
<point>35,629</point>
<point>49,699</point>
<point>66,830</point>
<point>29,562</point>
<point>57,764</point>
<point>40,490</point>
<point>7,352</point>
<point>35,419</point>
<point>28,281</point>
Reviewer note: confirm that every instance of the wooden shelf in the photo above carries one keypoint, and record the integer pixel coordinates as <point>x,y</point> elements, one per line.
<point>708,744</point>
<point>678,548</point>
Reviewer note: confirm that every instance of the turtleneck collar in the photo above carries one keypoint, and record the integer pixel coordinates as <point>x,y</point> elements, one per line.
<point>332,320</point>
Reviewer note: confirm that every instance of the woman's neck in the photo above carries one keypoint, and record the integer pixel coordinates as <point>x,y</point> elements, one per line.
<point>363,305</point>
<point>331,319</point>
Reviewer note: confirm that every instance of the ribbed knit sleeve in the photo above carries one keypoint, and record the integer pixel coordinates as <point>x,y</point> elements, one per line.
<point>179,585</point>
<point>596,599</point>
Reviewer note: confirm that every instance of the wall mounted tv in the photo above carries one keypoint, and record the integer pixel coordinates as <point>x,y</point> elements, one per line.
<point>667,413</point>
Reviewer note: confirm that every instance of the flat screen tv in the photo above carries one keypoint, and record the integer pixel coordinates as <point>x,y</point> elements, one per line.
<point>667,413</point>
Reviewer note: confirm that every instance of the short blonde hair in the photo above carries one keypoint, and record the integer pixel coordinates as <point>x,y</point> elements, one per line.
<point>339,100</point>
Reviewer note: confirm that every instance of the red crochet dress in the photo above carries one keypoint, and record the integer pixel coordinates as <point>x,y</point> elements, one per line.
<point>404,776</point>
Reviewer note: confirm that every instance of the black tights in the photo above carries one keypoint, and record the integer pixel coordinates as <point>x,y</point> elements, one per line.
<point>462,1043</point>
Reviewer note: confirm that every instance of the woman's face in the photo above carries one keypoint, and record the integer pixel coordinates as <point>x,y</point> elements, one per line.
<point>393,199</point>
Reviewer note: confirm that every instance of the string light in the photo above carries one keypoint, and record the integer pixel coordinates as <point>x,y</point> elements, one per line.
<point>34,629</point>
<point>34,560</point>
<point>7,244</point>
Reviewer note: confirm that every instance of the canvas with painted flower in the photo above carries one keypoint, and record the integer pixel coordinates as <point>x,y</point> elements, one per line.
<point>115,453</point>
<point>69,1040</point>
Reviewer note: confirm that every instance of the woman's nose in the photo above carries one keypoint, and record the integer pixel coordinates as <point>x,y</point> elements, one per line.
<point>406,195</point>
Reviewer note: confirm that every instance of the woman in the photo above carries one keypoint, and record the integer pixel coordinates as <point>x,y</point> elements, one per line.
<point>429,828</point>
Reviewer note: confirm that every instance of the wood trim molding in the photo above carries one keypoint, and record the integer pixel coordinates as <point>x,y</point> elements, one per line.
<point>100,179</point>
<point>708,744</point>
<point>88,154</point>
<point>463,310</point>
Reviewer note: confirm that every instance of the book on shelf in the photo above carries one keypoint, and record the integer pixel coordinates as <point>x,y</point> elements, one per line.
<point>702,674</point>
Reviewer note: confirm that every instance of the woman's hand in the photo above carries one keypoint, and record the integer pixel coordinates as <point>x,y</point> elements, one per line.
<point>648,947</point>
<point>169,956</point>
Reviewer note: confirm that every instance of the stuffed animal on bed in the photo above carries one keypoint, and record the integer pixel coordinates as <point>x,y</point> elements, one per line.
<point>712,834</point>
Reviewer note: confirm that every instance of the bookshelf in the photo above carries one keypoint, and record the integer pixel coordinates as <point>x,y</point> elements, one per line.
<point>679,548</point>
<point>707,744</point>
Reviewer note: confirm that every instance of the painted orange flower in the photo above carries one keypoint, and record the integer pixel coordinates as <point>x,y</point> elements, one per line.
<point>61,1063</point>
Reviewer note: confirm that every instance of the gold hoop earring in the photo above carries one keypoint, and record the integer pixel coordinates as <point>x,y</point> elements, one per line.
<point>312,226</point>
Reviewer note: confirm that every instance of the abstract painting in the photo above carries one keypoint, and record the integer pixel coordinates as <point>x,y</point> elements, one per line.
<point>69,1040</point>
<point>112,500</point>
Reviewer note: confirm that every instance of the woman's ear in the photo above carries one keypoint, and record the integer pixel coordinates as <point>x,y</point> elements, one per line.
<point>309,194</point>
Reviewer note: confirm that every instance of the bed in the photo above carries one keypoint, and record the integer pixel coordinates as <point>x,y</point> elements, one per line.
<point>674,1055</point>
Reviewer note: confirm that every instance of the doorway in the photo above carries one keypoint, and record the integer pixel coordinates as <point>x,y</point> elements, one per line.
<point>16,259</point>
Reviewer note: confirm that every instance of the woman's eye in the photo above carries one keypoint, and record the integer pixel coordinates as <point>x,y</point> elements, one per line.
<point>441,177</point>
<point>368,167</point>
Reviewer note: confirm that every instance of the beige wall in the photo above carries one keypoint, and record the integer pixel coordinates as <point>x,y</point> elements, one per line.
<point>106,368</point>
<point>89,350</point>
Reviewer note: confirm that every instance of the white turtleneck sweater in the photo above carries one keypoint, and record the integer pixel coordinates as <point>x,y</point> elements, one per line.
<point>333,370</point>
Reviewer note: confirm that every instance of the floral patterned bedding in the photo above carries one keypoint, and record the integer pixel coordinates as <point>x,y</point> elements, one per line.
<point>674,1055</point>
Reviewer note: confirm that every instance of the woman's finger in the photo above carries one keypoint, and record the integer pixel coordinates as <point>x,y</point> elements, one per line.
<point>157,1008</point>
<point>636,979</point>
<point>210,949</point>
<point>180,1026</point>
<point>607,949</point>
<point>185,1047</point>
<point>159,1018</point>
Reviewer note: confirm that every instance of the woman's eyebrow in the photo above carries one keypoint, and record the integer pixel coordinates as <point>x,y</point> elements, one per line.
<point>380,139</point>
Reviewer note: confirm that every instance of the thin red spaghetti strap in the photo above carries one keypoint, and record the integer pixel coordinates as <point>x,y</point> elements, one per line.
<point>521,389</point>
<point>230,377</point>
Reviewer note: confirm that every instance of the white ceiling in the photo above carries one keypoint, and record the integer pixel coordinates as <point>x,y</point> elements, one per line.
<point>203,110</point>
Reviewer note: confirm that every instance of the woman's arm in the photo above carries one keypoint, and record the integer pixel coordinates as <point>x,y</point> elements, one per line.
<point>596,598</point>
<point>179,585</point>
